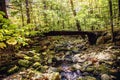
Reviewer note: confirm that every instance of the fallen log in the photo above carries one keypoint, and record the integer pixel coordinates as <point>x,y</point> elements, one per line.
<point>92,35</point>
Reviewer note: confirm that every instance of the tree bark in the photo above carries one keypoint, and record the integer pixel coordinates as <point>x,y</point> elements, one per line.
<point>74,14</point>
<point>45,15</point>
<point>111,21</point>
<point>27,11</point>
<point>22,17</point>
<point>3,8</point>
<point>118,10</point>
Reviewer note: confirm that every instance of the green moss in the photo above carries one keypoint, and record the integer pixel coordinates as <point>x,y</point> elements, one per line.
<point>36,65</point>
<point>103,68</point>
<point>13,69</point>
<point>24,63</point>
<point>90,69</point>
<point>87,78</point>
<point>36,58</point>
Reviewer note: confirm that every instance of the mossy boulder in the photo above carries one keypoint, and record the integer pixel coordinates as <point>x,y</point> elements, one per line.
<point>54,76</point>
<point>13,69</point>
<point>27,58</point>
<point>90,69</point>
<point>24,63</point>
<point>36,65</point>
<point>87,78</point>
<point>36,58</point>
<point>20,55</point>
<point>103,68</point>
<point>90,78</point>
<point>105,77</point>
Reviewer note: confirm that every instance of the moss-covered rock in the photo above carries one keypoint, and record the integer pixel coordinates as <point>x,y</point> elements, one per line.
<point>36,65</point>
<point>36,58</point>
<point>54,76</point>
<point>87,78</point>
<point>13,69</point>
<point>90,69</point>
<point>19,55</point>
<point>24,63</point>
<point>105,77</point>
<point>27,58</point>
<point>103,68</point>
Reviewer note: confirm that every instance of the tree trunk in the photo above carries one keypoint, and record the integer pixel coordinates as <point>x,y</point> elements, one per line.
<point>22,17</point>
<point>27,11</point>
<point>44,14</point>
<point>111,21</point>
<point>118,10</point>
<point>3,8</point>
<point>74,14</point>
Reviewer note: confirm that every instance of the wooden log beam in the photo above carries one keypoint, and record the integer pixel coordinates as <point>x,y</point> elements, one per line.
<point>92,36</point>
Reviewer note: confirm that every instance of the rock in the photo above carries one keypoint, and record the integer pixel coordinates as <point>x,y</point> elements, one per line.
<point>24,63</point>
<point>89,69</point>
<point>13,69</point>
<point>101,56</point>
<point>30,53</point>
<point>85,65</point>
<point>109,62</point>
<point>88,78</point>
<point>76,66</point>
<point>100,40</point>
<point>105,77</point>
<point>55,76</point>
<point>27,58</point>
<point>36,58</point>
<point>43,68</point>
<point>79,58</point>
<point>85,73</point>
<point>113,71</point>
<point>52,69</point>
<point>103,68</point>
<point>20,55</point>
<point>36,64</point>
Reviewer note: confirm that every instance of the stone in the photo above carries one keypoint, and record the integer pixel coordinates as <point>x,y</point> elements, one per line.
<point>105,77</point>
<point>88,78</point>
<point>100,40</point>
<point>76,66</point>
<point>36,64</point>
<point>89,69</point>
<point>113,71</point>
<point>24,63</point>
<point>13,69</point>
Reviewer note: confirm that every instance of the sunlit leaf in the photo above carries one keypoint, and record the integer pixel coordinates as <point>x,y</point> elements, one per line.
<point>11,41</point>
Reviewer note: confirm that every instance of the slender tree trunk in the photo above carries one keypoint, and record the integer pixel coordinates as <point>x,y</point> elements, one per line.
<point>22,17</point>
<point>74,14</point>
<point>44,14</point>
<point>118,10</point>
<point>111,20</point>
<point>27,11</point>
<point>3,8</point>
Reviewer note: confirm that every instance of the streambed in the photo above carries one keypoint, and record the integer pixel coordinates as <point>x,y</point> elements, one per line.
<point>65,58</point>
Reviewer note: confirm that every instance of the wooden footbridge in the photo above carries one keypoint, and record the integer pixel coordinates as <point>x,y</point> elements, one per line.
<point>92,35</point>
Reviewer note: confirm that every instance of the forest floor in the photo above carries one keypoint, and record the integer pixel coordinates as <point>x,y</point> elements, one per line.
<point>62,58</point>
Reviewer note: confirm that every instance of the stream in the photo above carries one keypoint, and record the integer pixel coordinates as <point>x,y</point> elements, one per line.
<point>65,59</point>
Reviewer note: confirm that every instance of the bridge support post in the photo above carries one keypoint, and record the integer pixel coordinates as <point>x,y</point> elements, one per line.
<point>92,38</point>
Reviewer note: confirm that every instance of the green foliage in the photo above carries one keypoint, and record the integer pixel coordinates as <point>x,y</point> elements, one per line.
<point>10,34</point>
<point>57,15</point>
<point>24,63</point>
<point>2,45</point>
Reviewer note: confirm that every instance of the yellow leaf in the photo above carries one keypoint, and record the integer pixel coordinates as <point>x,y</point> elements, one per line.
<point>11,41</point>
<point>2,45</point>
